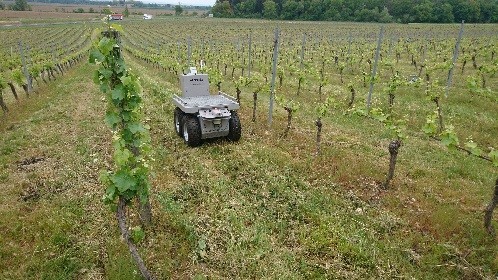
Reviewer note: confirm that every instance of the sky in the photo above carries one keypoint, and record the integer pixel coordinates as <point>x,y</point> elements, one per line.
<point>183,2</point>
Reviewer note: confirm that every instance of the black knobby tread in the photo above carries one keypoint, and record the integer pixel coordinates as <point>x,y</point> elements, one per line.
<point>234,127</point>
<point>180,115</point>
<point>194,130</point>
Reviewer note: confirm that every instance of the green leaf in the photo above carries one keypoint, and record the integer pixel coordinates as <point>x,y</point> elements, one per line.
<point>449,138</point>
<point>117,27</point>
<point>120,66</point>
<point>429,129</point>
<point>96,56</point>
<point>126,80</point>
<point>201,248</point>
<point>493,155</point>
<point>105,178</point>
<point>110,194</point>
<point>118,93</point>
<point>473,148</point>
<point>105,73</point>
<point>124,181</point>
<point>122,156</point>
<point>105,46</point>
<point>96,77</point>
<point>112,119</point>
<point>137,234</point>
<point>136,127</point>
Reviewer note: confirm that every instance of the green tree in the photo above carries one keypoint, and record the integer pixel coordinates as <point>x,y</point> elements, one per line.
<point>367,15</point>
<point>316,10</point>
<point>222,8</point>
<point>178,10</point>
<point>269,9</point>
<point>291,9</point>
<point>424,11</point>
<point>126,12</point>
<point>247,9</point>
<point>444,13</point>
<point>489,11</point>
<point>21,5</point>
<point>384,16</point>
<point>468,10</point>
<point>2,5</point>
<point>402,10</point>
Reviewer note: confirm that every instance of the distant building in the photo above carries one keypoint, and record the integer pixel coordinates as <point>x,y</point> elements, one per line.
<point>210,15</point>
<point>116,17</point>
<point>146,16</point>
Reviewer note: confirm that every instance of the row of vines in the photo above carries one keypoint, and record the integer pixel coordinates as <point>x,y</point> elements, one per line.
<point>33,56</point>
<point>423,81</point>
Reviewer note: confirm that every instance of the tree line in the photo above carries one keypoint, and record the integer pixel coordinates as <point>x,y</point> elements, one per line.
<point>402,11</point>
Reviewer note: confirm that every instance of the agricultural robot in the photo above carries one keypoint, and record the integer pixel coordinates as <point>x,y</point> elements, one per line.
<point>199,115</point>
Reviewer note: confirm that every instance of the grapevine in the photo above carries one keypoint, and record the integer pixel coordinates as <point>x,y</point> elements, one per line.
<point>131,139</point>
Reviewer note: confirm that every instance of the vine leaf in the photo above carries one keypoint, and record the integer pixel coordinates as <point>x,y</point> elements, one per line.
<point>124,181</point>
<point>105,46</point>
<point>430,127</point>
<point>112,119</point>
<point>122,156</point>
<point>493,155</point>
<point>473,148</point>
<point>137,234</point>
<point>110,193</point>
<point>126,80</point>
<point>136,127</point>
<point>449,138</point>
<point>96,55</point>
<point>118,93</point>
<point>105,73</point>
<point>117,27</point>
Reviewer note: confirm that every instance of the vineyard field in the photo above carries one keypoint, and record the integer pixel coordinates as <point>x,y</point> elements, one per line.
<point>303,196</point>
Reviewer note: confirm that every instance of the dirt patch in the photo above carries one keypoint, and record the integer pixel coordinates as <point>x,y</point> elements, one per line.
<point>29,164</point>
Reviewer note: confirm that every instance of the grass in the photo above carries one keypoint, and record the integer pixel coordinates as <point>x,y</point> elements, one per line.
<point>265,207</point>
<point>326,217</point>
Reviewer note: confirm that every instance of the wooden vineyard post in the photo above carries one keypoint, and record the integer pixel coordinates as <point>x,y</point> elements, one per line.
<point>30,62</point>
<point>189,51</point>
<point>348,65</point>
<point>303,46</point>
<point>25,68</point>
<point>455,57</point>
<point>202,51</point>
<point>374,70</point>
<point>488,213</point>
<point>273,76</point>
<point>350,40</point>
<point>255,103</point>
<point>179,52</point>
<point>249,56</point>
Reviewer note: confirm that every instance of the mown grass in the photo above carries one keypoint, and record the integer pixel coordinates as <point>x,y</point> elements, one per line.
<point>265,207</point>
<point>326,216</point>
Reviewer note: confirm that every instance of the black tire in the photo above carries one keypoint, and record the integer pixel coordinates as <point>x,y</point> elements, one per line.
<point>234,127</point>
<point>178,121</point>
<point>192,133</point>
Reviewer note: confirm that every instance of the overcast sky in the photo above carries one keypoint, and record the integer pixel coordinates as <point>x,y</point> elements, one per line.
<point>183,2</point>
